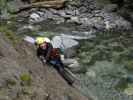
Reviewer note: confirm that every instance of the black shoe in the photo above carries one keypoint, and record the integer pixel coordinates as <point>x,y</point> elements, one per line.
<point>70,83</point>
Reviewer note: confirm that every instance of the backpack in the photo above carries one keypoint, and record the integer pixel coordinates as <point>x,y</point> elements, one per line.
<point>55,53</point>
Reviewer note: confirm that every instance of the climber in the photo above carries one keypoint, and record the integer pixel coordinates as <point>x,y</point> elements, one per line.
<point>44,48</point>
<point>50,55</point>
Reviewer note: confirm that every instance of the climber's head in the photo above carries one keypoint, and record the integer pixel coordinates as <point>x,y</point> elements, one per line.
<point>42,42</point>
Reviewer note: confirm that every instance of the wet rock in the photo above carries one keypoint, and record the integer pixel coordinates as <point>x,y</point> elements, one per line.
<point>76,13</point>
<point>115,22</point>
<point>54,11</point>
<point>61,13</point>
<point>64,14</point>
<point>74,19</point>
<point>36,17</point>
<point>110,7</point>
<point>84,20</point>
<point>82,9</point>
<point>131,16</point>
<point>69,12</point>
<point>28,28</point>
<point>24,14</point>
<point>127,15</point>
<point>58,19</point>
<point>96,22</point>
<point>76,35</point>
<point>123,24</point>
<point>48,14</point>
<point>69,61</point>
<point>86,15</point>
<point>72,64</point>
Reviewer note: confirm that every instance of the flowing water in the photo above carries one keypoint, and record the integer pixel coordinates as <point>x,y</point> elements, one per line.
<point>107,60</point>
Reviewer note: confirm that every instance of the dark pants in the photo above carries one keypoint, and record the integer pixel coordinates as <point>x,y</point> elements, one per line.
<point>57,63</point>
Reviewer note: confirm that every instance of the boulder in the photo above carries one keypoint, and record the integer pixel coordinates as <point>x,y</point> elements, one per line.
<point>72,64</point>
<point>67,44</point>
<point>35,18</point>
<point>82,9</point>
<point>68,12</point>
<point>96,22</point>
<point>74,19</point>
<point>63,14</point>
<point>59,20</point>
<point>48,14</point>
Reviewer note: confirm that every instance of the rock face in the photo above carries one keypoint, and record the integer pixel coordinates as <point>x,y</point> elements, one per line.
<point>24,77</point>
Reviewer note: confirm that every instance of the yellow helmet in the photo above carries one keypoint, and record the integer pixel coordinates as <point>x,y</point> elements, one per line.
<point>40,40</point>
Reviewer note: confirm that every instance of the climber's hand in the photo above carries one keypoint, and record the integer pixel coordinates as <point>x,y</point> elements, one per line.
<point>42,59</point>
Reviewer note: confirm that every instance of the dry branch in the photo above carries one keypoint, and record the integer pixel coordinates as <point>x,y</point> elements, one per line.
<point>56,4</point>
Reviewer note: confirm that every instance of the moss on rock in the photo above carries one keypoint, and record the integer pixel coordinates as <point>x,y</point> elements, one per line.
<point>25,79</point>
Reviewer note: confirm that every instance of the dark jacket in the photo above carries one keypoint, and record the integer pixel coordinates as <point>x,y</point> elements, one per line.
<point>45,53</point>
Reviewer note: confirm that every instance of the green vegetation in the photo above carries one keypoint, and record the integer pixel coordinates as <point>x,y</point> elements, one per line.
<point>6,8</point>
<point>27,90</point>
<point>3,8</point>
<point>129,89</point>
<point>11,8</point>
<point>3,4</point>
<point>10,82</point>
<point>48,34</point>
<point>45,34</point>
<point>25,79</point>
<point>103,2</point>
<point>122,85</point>
<point>10,35</point>
<point>129,65</point>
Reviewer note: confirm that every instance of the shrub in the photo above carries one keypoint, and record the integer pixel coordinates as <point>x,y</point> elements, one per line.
<point>25,79</point>
<point>10,82</point>
<point>10,34</point>
<point>129,65</point>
